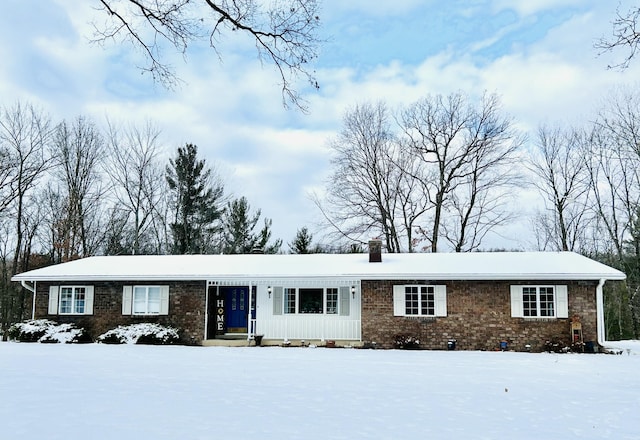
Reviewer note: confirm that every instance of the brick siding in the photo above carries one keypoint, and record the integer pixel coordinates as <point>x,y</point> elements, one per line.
<point>478,316</point>
<point>186,308</point>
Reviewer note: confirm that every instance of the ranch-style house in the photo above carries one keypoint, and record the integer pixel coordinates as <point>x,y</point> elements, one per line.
<point>477,301</point>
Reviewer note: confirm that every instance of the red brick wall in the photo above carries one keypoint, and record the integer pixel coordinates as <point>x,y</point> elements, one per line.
<point>186,308</point>
<point>478,316</point>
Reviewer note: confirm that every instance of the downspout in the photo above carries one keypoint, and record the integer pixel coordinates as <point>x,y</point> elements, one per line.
<point>600,329</point>
<point>31,289</point>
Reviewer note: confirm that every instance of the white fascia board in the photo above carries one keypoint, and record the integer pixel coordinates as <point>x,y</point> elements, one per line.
<point>341,277</point>
<point>498,277</point>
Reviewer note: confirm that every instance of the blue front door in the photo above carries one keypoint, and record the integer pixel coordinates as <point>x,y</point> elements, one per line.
<point>237,306</point>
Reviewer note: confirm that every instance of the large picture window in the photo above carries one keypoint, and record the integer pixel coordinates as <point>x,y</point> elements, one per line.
<point>311,301</point>
<point>539,302</point>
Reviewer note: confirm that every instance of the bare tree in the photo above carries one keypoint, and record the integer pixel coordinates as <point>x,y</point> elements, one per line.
<point>9,295</point>
<point>79,150</point>
<point>284,32</point>
<point>613,164</point>
<point>368,193</point>
<point>625,35</point>
<point>462,149</point>
<point>614,172</point>
<point>560,175</point>
<point>7,176</point>
<point>24,133</point>
<point>137,182</point>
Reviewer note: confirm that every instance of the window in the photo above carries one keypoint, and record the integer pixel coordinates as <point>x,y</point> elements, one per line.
<point>539,302</point>
<point>70,300</point>
<point>145,300</point>
<point>332,301</point>
<point>318,301</point>
<point>311,301</point>
<point>290,300</point>
<point>419,300</point>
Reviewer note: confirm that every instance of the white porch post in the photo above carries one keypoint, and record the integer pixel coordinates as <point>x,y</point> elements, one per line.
<point>249,314</point>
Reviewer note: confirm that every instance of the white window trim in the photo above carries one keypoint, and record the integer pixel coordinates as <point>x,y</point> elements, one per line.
<point>55,302</point>
<point>128,299</point>
<point>343,302</point>
<point>560,301</point>
<point>439,293</point>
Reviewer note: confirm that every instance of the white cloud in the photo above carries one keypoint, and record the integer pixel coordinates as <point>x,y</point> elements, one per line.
<point>232,108</point>
<point>529,7</point>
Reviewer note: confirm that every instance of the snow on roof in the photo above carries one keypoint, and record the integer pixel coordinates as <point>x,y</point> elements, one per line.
<point>438,266</point>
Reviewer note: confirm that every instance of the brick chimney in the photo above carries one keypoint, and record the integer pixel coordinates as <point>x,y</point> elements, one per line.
<point>375,251</point>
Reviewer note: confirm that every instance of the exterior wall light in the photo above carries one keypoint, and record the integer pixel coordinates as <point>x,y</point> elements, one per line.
<point>353,292</point>
<point>269,291</point>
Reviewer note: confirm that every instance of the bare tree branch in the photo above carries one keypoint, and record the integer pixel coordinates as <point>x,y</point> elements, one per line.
<point>460,147</point>
<point>284,33</point>
<point>625,35</point>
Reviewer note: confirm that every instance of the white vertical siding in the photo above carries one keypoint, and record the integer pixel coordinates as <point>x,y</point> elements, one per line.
<point>307,326</point>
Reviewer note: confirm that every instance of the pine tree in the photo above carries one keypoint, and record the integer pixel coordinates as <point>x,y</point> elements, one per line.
<point>196,195</point>
<point>238,230</point>
<point>301,244</point>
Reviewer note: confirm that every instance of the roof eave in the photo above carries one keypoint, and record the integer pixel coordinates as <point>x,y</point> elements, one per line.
<point>377,277</point>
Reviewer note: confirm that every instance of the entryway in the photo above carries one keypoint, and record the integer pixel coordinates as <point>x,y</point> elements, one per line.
<point>228,310</point>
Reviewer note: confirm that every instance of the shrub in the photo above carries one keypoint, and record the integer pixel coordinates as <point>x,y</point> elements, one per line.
<point>45,331</point>
<point>406,342</point>
<point>556,346</point>
<point>143,333</point>
<point>110,338</point>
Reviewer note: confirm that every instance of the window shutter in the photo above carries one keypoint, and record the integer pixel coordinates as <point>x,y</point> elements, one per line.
<point>53,300</point>
<point>277,300</point>
<point>398,301</point>
<point>345,302</point>
<point>164,300</point>
<point>516,302</point>
<point>441,300</point>
<point>88,300</point>
<point>127,297</point>
<point>562,302</point>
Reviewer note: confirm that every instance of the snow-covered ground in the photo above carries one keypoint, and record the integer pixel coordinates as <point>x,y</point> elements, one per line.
<point>180,393</point>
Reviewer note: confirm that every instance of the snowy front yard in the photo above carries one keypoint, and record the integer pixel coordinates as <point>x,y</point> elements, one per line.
<point>170,392</point>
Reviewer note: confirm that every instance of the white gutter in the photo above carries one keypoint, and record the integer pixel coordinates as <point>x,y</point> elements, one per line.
<point>600,329</point>
<point>31,289</point>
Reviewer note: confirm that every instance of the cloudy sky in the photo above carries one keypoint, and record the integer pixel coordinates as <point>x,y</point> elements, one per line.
<point>537,55</point>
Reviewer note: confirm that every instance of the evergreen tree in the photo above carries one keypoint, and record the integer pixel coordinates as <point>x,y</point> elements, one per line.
<point>196,195</point>
<point>238,230</point>
<point>301,244</point>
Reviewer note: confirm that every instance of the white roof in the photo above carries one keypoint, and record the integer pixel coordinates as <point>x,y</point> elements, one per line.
<point>438,266</point>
